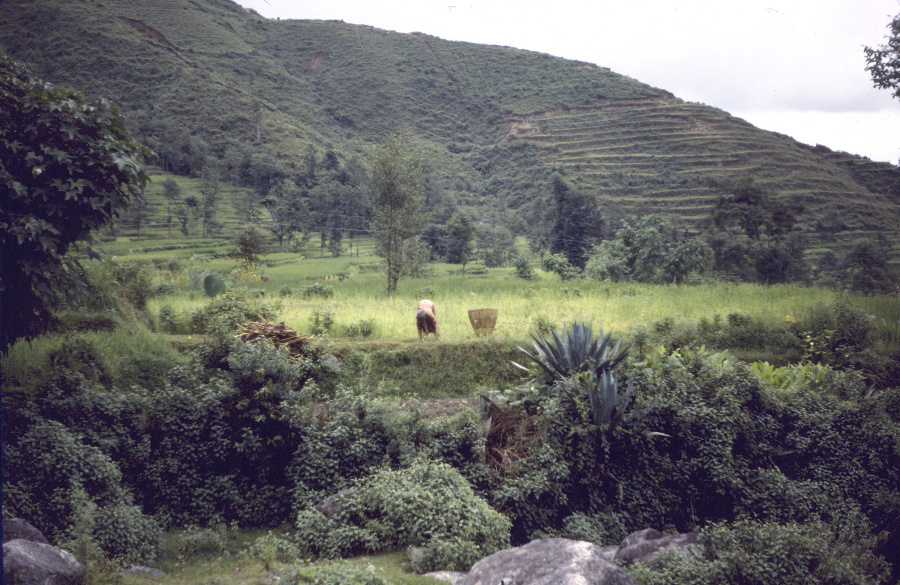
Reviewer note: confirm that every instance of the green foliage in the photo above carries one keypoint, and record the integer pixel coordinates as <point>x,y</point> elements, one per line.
<point>362,328</point>
<point>757,553</point>
<point>523,269</point>
<point>644,253</point>
<point>881,63</point>
<point>40,468</point>
<point>577,225</point>
<point>560,265</point>
<point>602,529</point>
<point>269,549</point>
<point>428,505</point>
<point>69,166</point>
<point>249,244</point>
<point>318,290</point>
<point>574,352</point>
<point>867,269</point>
<point>321,322</point>
<point>331,573</point>
<point>213,284</point>
<point>543,325</point>
<point>461,232</point>
<point>126,534</point>
<point>395,185</point>
<point>228,312</point>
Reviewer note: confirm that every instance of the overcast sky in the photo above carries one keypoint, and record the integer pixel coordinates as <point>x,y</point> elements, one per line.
<point>792,66</point>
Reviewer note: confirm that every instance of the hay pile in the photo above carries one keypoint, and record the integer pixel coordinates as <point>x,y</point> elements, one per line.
<point>278,334</point>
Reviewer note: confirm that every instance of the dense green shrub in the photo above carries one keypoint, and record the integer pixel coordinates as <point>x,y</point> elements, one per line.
<point>270,548</point>
<point>321,322</point>
<point>228,312</point>
<point>331,573</point>
<point>762,553</point>
<point>43,465</point>
<point>427,505</point>
<point>361,328</point>
<point>318,290</point>
<point>125,533</point>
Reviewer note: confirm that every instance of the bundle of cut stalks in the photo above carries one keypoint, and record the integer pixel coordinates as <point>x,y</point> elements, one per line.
<point>278,333</point>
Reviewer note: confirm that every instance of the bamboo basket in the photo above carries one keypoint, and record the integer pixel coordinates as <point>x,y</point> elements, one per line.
<point>483,321</point>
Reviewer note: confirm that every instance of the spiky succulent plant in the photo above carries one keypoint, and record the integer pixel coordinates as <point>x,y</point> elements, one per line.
<point>578,351</point>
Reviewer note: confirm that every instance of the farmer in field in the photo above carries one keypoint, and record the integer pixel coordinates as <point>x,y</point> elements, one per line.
<point>426,319</point>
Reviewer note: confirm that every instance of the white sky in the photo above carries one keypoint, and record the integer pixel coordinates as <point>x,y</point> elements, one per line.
<point>792,66</point>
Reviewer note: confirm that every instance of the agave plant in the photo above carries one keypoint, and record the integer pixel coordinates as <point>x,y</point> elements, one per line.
<point>573,353</point>
<point>577,352</point>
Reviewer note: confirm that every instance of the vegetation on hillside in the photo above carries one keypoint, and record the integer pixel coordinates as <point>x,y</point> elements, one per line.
<point>214,88</point>
<point>252,374</point>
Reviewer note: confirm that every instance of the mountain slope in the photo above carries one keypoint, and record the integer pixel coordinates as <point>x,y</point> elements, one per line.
<point>202,78</point>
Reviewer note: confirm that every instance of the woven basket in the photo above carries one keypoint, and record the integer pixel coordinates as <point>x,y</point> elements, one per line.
<point>483,321</point>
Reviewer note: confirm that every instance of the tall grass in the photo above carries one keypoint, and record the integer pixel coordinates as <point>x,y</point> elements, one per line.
<point>617,307</point>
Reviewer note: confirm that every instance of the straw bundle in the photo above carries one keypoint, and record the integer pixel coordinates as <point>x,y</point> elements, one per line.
<point>483,321</point>
<point>277,333</point>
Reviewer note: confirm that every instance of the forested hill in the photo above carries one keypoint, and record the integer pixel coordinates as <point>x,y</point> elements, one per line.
<point>208,78</point>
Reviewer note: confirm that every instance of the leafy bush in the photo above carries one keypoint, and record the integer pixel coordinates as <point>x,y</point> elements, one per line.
<point>125,533</point>
<point>542,324</point>
<point>270,549</point>
<point>361,328</point>
<point>322,321</point>
<point>602,529</point>
<point>168,319</point>
<point>523,269</point>
<point>43,465</point>
<point>318,290</point>
<point>331,573</point>
<point>560,265</point>
<point>228,312</point>
<point>760,553</point>
<point>428,505</point>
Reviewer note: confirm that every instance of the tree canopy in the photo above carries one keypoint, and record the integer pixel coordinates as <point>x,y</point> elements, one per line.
<point>395,187</point>
<point>883,63</point>
<point>68,166</point>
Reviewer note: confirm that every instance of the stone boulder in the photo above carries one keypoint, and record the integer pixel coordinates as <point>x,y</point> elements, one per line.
<point>332,504</point>
<point>16,528</point>
<point>551,561</point>
<point>642,546</point>
<point>33,563</point>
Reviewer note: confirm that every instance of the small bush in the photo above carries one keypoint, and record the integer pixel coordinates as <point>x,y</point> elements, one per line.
<point>285,291</point>
<point>228,312</point>
<point>125,533</point>
<point>361,328</point>
<point>322,321</point>
<point>428,505</point>
<point>523,269</point>
<point>763,553</point>
<point>331,573</point>
<point>318,290</point>
<point>543,324</point>
<point>168,319</point>
<point>269,549</point>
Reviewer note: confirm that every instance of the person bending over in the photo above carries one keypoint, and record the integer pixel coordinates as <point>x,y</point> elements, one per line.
<point>426,319</point>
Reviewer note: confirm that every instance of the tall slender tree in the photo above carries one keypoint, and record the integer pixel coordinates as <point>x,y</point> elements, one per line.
<point>578,224</point>
<point>395,187</point>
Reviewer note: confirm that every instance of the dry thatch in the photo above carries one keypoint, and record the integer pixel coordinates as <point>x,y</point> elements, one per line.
<point>278,333</point>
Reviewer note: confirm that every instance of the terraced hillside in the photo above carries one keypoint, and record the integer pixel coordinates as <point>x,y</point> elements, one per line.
<point>652,156</point>
<point>208,80</point>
